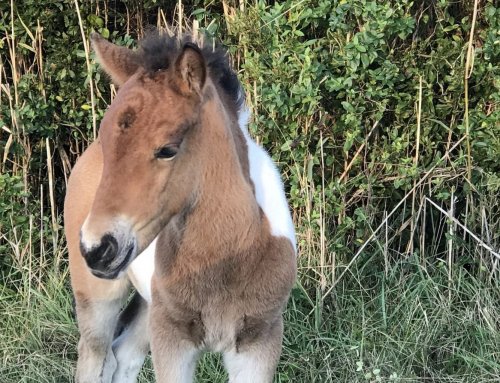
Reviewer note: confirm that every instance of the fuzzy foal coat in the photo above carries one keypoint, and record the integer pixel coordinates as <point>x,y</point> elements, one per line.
<point>222,274</point>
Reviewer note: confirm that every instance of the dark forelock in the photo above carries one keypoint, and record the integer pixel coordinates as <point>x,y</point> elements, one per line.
<point>158,51</point>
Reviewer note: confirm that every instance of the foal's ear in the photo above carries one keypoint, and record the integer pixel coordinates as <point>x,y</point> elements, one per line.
<point>190,70</point>
<point>119,62</point>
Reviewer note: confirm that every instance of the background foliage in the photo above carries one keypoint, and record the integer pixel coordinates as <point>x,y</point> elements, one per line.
<point>372,109</point>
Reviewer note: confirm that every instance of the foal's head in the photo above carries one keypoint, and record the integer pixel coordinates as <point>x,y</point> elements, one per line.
<point>144,137</point>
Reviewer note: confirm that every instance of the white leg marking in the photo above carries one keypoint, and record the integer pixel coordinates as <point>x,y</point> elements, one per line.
<point>175,365</point>
<point>249,367</point>
<point>131,347</point>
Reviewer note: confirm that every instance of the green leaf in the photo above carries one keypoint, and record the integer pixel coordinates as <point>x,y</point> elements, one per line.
<point>104,32</point>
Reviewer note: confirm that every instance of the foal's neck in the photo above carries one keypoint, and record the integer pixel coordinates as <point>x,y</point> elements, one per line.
<point>226,210</point>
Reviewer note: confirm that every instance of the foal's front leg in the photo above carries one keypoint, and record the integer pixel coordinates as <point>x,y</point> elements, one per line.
<point>255,360</point>
<point>132,344</point>
<point>97,316</point>
<point>173,347</point>
<point>174,358</point>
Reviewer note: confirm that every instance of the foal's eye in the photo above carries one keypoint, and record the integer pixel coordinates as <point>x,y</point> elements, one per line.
<point>167,152</point>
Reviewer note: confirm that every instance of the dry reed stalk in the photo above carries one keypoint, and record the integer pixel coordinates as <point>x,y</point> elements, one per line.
<point>414,218</point>
<point>422,235</point>
<point>308,188</point>
<point>89,70</point>
<point>128,19</point>
<point>469,65</point>
<point>42,225</point>
<point>50,172</point>
<point>66,163</point>
<point>39,56</point>
<point>8,144</point>
<point>450,241</point>
<point>386,245</point>
<point>106,12</point>
<point>484,232</point>
<point>180,14</point>
<point>12,52</point>
<point>225,9</point>
<point>415,164</point>
<point>195,32</point>
<point>158,20</point>
<point>419,122</point>
<point>17,127</point>
<point>322,220</point>
<point>30,236</point>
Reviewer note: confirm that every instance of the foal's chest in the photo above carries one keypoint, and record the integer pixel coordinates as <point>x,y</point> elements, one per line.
<point>219,302</point>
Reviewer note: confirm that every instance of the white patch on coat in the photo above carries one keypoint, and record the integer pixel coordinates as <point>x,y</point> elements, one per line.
<point>269,190</point>
<point>141,271</point>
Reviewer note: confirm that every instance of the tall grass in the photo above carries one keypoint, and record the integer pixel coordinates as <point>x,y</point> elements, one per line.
<point>399,286</point>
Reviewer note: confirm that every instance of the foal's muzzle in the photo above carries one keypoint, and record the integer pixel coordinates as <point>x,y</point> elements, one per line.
<point>107,259</point>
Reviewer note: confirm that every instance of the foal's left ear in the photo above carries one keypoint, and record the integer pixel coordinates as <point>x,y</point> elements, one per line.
<point>191,70</point>
<point>119,62</point>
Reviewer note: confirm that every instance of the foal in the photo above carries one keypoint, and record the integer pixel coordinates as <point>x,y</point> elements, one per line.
<point>176,198</point>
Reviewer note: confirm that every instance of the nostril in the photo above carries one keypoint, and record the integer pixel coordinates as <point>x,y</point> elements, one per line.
<point>108,248</point>
<point>100,256</point>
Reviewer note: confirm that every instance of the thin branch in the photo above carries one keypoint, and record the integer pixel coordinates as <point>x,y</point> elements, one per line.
<point>348,167</point>
<point>479,240</point>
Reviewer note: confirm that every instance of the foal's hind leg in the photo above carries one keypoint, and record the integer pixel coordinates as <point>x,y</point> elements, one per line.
<point>131,345</point>
<point>256,361</point>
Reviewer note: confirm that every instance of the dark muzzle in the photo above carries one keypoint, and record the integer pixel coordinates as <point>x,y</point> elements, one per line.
<point>102,259</point>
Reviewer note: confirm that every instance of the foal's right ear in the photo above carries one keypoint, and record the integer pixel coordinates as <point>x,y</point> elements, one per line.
<point>119,62</point>
<point>191,70</point>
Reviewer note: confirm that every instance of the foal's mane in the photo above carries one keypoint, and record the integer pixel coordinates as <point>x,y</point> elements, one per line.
<point>157,51</point>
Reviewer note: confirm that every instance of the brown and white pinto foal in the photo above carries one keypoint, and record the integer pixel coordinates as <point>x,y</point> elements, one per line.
<point>176,198</point>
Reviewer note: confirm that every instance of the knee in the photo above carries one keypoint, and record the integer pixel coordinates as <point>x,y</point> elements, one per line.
<point>257,329</point>
<point>93,344</point>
